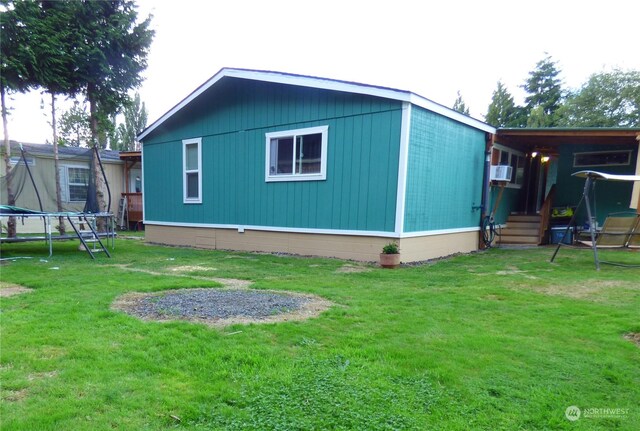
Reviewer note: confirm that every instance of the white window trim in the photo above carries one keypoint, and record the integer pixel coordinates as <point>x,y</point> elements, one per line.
<point>18,160</point>
<point>66,193</point>
<point>185,142</point>
<point>511,151</point>
<point>602,152</point>
<point>324,130</point>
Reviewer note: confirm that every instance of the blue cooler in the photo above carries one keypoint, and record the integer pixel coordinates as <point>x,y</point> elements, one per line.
<point>557,232</point>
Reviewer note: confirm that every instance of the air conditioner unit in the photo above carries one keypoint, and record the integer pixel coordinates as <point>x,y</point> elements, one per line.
<point>500,173</point>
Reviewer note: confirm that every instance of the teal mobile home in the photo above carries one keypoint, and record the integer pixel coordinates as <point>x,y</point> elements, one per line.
<point>267,161</point>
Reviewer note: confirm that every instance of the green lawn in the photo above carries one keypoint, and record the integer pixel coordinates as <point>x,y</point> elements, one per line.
<point>496,340</point>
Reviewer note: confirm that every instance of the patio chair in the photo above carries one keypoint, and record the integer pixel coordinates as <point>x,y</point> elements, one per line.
<point>617,232</point>
<point>634,237</point>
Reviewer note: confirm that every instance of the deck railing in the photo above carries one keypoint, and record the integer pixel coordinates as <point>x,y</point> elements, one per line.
<point>545,214</point>
<point>134,206</point>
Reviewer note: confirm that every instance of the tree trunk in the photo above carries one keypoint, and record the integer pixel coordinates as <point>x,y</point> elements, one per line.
<point>11,199</point>
<point>97,174</point>
<point>56,162</point>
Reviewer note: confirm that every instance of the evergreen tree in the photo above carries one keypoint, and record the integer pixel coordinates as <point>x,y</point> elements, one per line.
<point>53,68</point>
<point>111,53</point>
<point>16,57</point>
<point>460,106</point>
<point>545,93</point>
<point>607,99</point>
<point>502,111</point>
<point>135,121</point>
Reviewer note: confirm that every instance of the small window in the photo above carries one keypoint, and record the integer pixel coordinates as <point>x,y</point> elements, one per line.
<point>602,158</point>
<point>18,160</point>
<point>510,157</point>
<point>192,168</point>
<point>297,155</point>
<point>77,184</point>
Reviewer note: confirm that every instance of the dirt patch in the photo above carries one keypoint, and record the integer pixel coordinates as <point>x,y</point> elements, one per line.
<point>348,269</point>
<point>44,375</point>
<point>634,337</point>
<point>14,396</point>
<point>190,268</point>
<point>229,283</point>
<point>593,290</point>
<point>8,289</point>
<point>221,307</point>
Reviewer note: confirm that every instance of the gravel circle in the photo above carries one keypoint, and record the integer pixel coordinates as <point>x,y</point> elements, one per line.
<point>220,307</point>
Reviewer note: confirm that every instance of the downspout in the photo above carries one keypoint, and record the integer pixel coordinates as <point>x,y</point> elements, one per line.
<point>486,189</point>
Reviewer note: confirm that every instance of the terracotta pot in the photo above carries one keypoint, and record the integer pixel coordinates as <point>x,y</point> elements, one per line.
<point>389,260</point>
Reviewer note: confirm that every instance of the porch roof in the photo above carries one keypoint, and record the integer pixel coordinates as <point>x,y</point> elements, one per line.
<point>524,138</point>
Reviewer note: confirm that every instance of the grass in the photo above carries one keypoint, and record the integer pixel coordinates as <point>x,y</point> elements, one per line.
<point>496,340</point>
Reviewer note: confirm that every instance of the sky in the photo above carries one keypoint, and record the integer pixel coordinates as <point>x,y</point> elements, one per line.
<point>432,48</point>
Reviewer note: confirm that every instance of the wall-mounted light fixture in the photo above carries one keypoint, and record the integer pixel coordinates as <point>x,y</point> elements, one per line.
<point>534,154</point>
<point>544,159</point>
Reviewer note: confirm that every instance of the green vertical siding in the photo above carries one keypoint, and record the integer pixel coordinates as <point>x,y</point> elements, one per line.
<point>232,119</point>
<point>610,196</point>
<point>444,176</point>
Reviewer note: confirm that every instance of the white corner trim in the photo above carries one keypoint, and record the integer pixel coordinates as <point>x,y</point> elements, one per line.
<point>143,181</point>
<point>403,160</point>
<point>324,84</point>
<point>381,234</point>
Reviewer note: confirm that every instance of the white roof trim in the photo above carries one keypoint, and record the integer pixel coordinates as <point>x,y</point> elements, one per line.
<point>325,84</point>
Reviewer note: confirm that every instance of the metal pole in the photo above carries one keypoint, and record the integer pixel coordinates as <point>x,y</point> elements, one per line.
<point>592,230</point>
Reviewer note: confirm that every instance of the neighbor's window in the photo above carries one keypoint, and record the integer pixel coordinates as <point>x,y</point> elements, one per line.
<point>74,183</point>
<point>192,170</point>
<point>602,158</point>
<point>297,155</point>
<point>77,184</point>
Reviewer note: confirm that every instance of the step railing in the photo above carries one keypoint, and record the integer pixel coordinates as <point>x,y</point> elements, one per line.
<point>545,215</point>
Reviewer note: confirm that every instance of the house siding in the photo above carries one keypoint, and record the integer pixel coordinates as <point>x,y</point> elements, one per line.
<point>610,196</point>
<point>232,118</point>
<point>444,173</point>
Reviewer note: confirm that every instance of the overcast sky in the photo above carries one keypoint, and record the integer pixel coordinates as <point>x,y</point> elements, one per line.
<point>430,48</point>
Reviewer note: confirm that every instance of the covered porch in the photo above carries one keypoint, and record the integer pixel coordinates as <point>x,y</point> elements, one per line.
<point>130,214</point>
<point>541,193</point>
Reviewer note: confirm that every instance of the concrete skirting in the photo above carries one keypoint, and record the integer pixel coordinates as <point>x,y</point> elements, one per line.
<point>361,248</point>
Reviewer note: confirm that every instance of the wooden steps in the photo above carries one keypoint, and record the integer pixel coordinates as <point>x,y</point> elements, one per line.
<point>521,229</point>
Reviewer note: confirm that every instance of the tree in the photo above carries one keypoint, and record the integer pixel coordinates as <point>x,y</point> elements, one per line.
<point>110,55</point>
<point>607,99</point>
<point>15,58</point>
<point>502,111</point>
<point>460,106</point>
<point>53,68</point>
<point>545,92</point>
<point>135,120</point>
<point>74,126</point>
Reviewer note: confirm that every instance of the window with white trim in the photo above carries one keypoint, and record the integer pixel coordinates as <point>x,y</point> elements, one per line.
<point>510,157</point>
<point>192,170</point>
<point>74,183</point>
<point>297,155</point>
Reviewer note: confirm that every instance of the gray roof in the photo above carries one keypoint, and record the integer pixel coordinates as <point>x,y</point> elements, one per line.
<point>47,150</point>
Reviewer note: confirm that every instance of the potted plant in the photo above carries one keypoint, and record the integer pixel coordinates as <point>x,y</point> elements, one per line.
<point>390,256</point>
